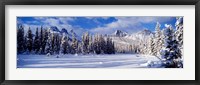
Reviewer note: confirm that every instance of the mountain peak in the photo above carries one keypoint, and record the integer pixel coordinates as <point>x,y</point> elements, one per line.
<point>120,33</point>
<point>64,31</point>
<point>145,32</point>
<point>54,28</point>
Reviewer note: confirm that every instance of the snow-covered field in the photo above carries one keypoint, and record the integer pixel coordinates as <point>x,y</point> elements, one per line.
<point>88,61</point>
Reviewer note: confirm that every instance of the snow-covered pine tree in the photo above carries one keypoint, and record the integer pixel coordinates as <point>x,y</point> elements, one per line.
<point>20,40</point>
<point>25,45</point>
<point>41,39</point>
<point>44,41</point>
<point>179,32</point>
<point>57,44</point>
<point>85,43</point>
<point>68,45</point>
<point>48,43</point>
<point>97,49</point>
<point>170,52</point>
<point>102,44</point>
<point>79,48</point>
<point>113,47</point>
<point>151,45</point>
<point>158,39</point>
<point>29,40</point>
<point>64,43</point>
<point>36,43</point>
<point>52,43</point>
<point>74,46</point>
<point>90,46</point>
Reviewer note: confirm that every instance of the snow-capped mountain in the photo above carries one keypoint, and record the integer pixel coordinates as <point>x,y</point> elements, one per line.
<point>144,34</point>
<point>64,31</point>
<point>119,33</point>
<point>54,29</point>
<point>130,39</point>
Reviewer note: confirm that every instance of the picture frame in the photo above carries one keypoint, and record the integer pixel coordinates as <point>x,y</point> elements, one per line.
<point>97,2</point>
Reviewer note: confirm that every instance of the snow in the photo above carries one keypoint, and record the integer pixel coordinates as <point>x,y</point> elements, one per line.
<point>88,61</point>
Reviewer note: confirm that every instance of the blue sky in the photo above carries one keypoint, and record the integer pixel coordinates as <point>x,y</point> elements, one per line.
<point>102,25</point>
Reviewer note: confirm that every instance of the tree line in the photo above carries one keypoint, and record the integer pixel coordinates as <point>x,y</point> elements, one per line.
<point>47,42</point>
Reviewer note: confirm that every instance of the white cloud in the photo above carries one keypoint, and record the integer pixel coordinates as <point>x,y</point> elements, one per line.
<point>128,24</point>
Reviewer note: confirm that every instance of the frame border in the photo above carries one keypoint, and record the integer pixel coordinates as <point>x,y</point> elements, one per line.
<point>3,3</point>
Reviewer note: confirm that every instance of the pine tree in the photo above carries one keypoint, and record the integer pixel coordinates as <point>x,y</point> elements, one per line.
<point>151,45</point>
<point>44,41</point>
<point>36,42</point>
<point>113,47</point>
<point>97,49</point>
<point>85,43</point>
<point>29,40</point>
<point>25,45</point>
<point>41,40</point>
<point>57,44</point>
<point>74,45</point>
<point>179,32</point>
<point>20,40</point>
<point>64,43</point>
<point>102,44</point>
<point>48,43</point>
<point>158,39</point>
<point>109,46</point>
<point>170,52</point>
<point>90,46</point>
<point>52,43</point>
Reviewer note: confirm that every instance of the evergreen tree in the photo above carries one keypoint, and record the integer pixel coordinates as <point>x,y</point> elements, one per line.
<point>74,46</point>
<point>20,40</point>
<point>158,39</point>
<point>44,41</point>
<point>29,40</point>
<point>179,32</point>
<point>41,39</point>
<point>85,43</point>
<point>48,43</point>
<point>170,52</point>
<point>57,44</point>
<point>97,49</point>
<point>102,44</point>
<point>52,43</point>
<point>25,41</point>
<point>109,46</point>
<point>36,42</point>
<point>151,46</point>
<point>64,43</point>
<point>90,46</point>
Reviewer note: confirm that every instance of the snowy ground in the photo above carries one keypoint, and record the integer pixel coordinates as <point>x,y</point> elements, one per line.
<point>88,61</point>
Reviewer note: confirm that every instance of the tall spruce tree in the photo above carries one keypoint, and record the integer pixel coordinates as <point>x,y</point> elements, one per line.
<point>179,33</point>
<point>36,42</point>
<point>158,39</point>
<point>48,43</point>
<point>74,46</point>
<point>85,43</point>
<point>64,43</point>
<point>29,40</point>
<point>151,45</point>
<point>170,52</point>
<point>20,40</point>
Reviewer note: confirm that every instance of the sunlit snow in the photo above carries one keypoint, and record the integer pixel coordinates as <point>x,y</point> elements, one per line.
<point>88,61</point>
